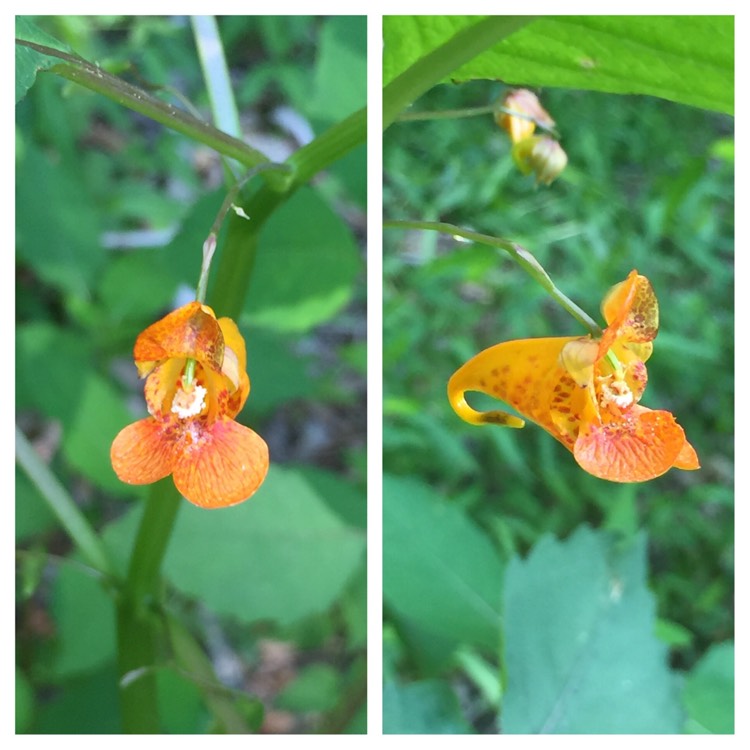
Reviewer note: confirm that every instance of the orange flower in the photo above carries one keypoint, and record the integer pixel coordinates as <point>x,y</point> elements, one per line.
<point>585,391</point>
<point>191,433</point>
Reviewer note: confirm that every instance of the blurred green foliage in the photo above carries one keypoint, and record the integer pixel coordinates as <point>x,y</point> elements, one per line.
<point>112,211</point>
<point>649,185</point>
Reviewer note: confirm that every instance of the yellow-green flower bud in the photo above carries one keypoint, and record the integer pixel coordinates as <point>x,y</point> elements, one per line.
<point>542,155</point>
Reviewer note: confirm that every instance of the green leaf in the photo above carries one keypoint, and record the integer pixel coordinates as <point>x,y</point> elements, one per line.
<point>281,556</point>
<point>306,266</point>
<point>580,651</point>
<point>354,610</point>
<point>100,416</point>
<point>84,621</point>
<point>345,500</point>
<point>709,692</point>
<point>33,515</point>
<point>439,569</point>
<point>87,705</point>
<point>277,373</point>
<point>180,703</point>
<point>58,230</point>
<point>340,82</point>
<point>138,286</point>
<point>24,702</point>
<point>315,688</point>
<point>427,707</point>
<point>687,59</point>
<point>41,350</point>
<point>28,61</point>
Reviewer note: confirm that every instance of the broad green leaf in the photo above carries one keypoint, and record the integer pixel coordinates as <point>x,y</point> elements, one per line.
<point>138,286</point>
<point>180,703</point>
<point>277,373</point>
<point>84,622</point>
<point>28,61</point>
<point>427,707</point>
<point>101,415</point>
<point>340,84</point>
<point>315,688</point>
<point>340,496</point>
<point>45,353</point>
<point>58,230</point>
<point>439,569</point>
<point>708,694</point>
<point>687,59</point>
<point>581,655</point>
<point>87,705</point>
<point>283,555</point>
<point>306,266</point>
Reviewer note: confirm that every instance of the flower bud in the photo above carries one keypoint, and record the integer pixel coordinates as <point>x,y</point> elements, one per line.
<point>542,155</point>
<point>531,112</point>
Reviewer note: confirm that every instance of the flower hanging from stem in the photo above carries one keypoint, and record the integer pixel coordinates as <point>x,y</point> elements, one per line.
<point>519,115</point>
<point>196,384</point>
<point>585,391</point>
<point>191,433</point>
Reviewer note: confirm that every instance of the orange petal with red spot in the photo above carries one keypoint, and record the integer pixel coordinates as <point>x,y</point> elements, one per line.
<point>224,468</point>
<point>141,454</point>
<point>161,386</point>
<point>189,331</point>
<point>521,373</point>
<point>642,445</point>
<point>631,311</point>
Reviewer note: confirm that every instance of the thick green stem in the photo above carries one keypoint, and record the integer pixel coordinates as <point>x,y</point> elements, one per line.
<point>138,627</point>
<point>237,259</point>
<point>441,62</point>
<point>519,254</point>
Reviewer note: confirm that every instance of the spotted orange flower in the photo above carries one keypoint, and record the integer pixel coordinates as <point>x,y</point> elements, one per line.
<point>585,391</point>
<point>191,433</point>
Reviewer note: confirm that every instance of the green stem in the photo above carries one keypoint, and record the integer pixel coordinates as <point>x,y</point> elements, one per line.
<point>446,114</point>
<point>138,627</point>
<point>63,506</point>
<point>519,254</point>
<point>237,258</point>
<point>94,78</point>
<point>441,62</point>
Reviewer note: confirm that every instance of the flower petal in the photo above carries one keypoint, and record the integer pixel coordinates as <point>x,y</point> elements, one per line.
<point>224,467</point>
<point>235,365</point>
<point>161,386</point>
<point>641,445</point>
<point>632,313</point>
<point>141,453</point>
<point>522,373</point>
<point>190,331</point>
<point>687,458</point>
<point>527,104</point>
